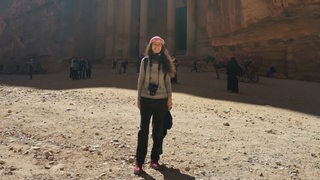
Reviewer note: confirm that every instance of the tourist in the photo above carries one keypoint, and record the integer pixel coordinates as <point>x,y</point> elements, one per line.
<point>154,99</point>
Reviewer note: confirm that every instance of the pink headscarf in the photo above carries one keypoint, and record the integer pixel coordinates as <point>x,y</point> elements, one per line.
<point>156,38</point>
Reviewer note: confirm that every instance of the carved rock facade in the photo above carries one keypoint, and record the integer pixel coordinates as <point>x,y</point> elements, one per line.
<point>283,33</point>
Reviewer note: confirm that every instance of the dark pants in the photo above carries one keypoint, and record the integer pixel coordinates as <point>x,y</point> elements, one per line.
<point>156,108</point>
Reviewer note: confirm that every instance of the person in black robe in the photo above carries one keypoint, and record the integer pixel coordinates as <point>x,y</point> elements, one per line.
<point>233,70</point>
<point>30,68</point>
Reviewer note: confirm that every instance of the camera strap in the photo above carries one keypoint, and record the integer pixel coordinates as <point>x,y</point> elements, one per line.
<point>159,65</point>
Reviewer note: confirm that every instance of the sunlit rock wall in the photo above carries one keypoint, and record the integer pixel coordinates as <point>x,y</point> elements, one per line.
<point>283,33</point>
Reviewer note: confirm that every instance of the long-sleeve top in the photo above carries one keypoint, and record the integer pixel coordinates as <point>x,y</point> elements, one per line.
<point>151,74</point>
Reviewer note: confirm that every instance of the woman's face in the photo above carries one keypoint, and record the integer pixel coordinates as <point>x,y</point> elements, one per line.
<point>156,47</point>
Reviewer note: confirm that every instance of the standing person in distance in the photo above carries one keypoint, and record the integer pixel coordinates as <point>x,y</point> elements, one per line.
<point>154,100</point>
<point>233,70</point>
<point>30,68</point>
<point>175,63</point>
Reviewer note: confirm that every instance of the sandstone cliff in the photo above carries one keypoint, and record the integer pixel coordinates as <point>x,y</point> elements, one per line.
<point>37,28</point>
<point>284,33</point>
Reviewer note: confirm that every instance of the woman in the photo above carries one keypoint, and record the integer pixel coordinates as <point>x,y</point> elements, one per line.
<point>154,99</point>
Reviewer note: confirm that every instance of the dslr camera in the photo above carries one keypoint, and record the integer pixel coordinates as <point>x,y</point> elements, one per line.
<point>153,88</point>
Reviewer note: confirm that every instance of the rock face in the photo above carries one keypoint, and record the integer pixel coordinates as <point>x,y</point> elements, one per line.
<point>282,33</point>
<point>38,28</point>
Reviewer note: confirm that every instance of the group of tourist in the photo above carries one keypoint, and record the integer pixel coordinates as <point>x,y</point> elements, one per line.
<point>80,68</point>
<point>120,66</point>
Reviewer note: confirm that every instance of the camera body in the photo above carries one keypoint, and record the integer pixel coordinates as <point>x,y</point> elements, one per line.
<point>153,88</point>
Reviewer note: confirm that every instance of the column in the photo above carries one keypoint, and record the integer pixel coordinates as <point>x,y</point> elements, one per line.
<point>191,27</point>
<point>171,16</point>
<point>101,29</point>
<point>143,25</point>
<point>110,30</point>
<point>127,28</point>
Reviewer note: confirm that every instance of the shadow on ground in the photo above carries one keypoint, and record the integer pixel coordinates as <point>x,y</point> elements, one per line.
<point>171,173</point>
<point>168,174</point>
<point>288,94</point>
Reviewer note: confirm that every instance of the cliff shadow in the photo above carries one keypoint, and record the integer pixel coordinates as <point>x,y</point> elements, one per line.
<point>281,93</point>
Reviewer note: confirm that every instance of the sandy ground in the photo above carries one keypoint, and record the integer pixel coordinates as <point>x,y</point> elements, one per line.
<point>56,128</point>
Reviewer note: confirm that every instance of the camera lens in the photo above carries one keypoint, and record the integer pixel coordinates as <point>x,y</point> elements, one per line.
<point>152,89</point>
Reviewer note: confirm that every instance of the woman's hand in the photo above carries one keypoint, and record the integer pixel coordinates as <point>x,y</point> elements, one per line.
<point>138,103</point>
<point>169,103</point>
